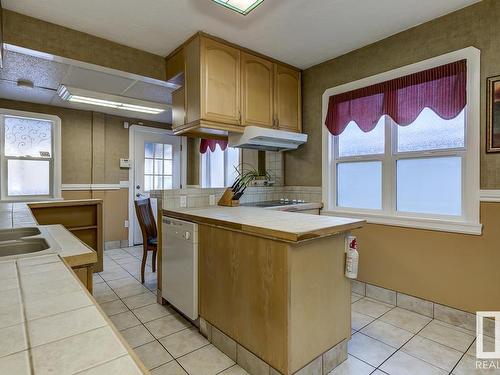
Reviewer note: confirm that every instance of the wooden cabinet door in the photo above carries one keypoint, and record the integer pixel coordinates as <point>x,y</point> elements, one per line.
<point>256,91</point>
<point>287,100</point>
<point>220,82</point>
<point>178,108</point>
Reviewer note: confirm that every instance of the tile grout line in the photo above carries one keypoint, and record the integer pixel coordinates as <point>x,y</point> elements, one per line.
<point>146,328</point>
<point>414,334</point>
<point>28,340</point>
<point>463,355</point>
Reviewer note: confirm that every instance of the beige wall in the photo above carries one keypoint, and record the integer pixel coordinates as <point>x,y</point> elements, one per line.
<point>92,144</point>
<point>452,269</point>
<point>38,35</point>
<point>456,270</point>
<point>477,25</point>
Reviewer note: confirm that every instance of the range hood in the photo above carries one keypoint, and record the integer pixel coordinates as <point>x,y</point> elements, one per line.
<point>265,139</point>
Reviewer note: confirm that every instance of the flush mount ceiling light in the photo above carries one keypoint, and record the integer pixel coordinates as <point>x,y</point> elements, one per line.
<point>241,6</point>
<point>76,95</point>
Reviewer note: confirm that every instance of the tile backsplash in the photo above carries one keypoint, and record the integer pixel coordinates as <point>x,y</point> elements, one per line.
<point>197,197</point>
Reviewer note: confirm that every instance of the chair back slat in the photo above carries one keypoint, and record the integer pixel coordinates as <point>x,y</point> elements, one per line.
<point>146,219</point>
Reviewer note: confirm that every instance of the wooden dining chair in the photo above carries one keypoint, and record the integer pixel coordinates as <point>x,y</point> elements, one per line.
<point>147,223</point>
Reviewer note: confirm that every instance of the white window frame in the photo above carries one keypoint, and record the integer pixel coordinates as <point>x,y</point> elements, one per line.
<point>469,221</point>
<point>204,165</point>
<point>55,167</point>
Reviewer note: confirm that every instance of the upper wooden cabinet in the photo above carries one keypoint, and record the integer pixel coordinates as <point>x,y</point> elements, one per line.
<point>256,91</point>
<point>225,88</point>
<point>220,82</point>
<point>287,102</point>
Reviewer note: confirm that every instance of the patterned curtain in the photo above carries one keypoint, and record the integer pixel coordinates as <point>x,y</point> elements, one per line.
<point>442,89</point>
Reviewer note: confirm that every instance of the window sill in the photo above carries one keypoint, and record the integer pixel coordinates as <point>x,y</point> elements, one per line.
<point>439,225</point>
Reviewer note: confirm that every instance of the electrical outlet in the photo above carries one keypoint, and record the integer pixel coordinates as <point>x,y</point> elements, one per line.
<point>211,200</point>
<point>183,202</point>
<point>126,224</point>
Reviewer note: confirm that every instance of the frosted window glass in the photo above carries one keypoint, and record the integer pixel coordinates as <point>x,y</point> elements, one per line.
<point>28,137</point>
<point>28,177</point>
<point>431,132</point>
<point>167,167</point>
<point>359,185</point>
<point>148,166</point>
<point>217,168</point>
<point>167,182</point>
<point>148,183</point>
<point>430,185</point>
<point>167,151</point>
<point>158,182</point>
<point>158,166</point>
<point>353,141</point>
<point>233,162</point>
<point>148,150</point>
<point>159,150</point>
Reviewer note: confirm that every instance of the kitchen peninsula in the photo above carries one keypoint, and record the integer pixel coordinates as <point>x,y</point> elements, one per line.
<point>274,283</point>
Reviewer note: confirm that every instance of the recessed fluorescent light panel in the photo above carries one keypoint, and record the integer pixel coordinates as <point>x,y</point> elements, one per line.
<point>76,95</point>
<point>241,6</point>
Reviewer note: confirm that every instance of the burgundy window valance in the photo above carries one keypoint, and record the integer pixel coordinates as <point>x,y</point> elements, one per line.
<point>206,144</point>
<point>442,89</point>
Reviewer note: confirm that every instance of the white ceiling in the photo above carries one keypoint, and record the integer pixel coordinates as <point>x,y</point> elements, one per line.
<point>47,75</point>
<point>299,32</point>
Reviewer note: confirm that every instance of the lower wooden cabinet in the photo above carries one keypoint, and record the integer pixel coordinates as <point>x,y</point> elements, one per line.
<point>85,275</point>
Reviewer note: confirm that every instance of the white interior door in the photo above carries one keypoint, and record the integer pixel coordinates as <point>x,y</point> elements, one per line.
<point>156,166</point>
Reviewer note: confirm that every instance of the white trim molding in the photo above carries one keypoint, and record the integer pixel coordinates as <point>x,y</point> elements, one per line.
<point>490,195</point>
<point>469,221</point>
<point>80,187</point>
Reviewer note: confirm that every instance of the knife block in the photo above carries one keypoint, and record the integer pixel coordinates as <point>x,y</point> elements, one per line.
<point>227,199</point>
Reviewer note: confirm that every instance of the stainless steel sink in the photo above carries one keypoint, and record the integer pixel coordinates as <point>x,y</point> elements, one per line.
<point>21,247</point>
<point>18,233</point>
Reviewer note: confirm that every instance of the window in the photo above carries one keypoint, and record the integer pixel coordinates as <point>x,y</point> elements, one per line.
<point>158,166</point>
<point>218,168</point>
<point>424,159</point>
<point>424,173</point>
<point>30,158</point>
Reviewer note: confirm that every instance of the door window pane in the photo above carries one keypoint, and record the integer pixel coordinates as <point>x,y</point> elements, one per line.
<point>148,166</point>
<point>159,150</point>
<point>167,167</point>
<point>158,182</point>
<point>148,150</point>
<point>431,132</point>
<point>167,149</point>
<point>148,183</point>
<point>430,185</point>
<point>158,166</point>
<point>354,142</point>
<point>28,137</point>
<point>28,177</point>
<point>167,182</point>
<point>359,185</point>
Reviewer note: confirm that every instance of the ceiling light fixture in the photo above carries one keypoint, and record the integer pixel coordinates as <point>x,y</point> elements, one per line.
<point>241,6</point>
<point>76,95</point>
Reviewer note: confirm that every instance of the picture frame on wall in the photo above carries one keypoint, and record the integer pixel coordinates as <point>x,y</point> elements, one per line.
<point>493,115</point>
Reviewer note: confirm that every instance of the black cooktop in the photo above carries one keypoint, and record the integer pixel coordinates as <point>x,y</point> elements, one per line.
<point>275,203</point>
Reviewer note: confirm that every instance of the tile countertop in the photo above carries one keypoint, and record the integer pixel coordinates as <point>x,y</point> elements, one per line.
<point>74,252</point>
<point>284,226</point>
<point>49,323</point>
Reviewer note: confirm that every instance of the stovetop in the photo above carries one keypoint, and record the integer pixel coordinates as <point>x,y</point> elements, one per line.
<point>275,203</point>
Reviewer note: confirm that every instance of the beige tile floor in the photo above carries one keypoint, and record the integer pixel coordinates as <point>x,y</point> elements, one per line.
<point>386,339</point>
